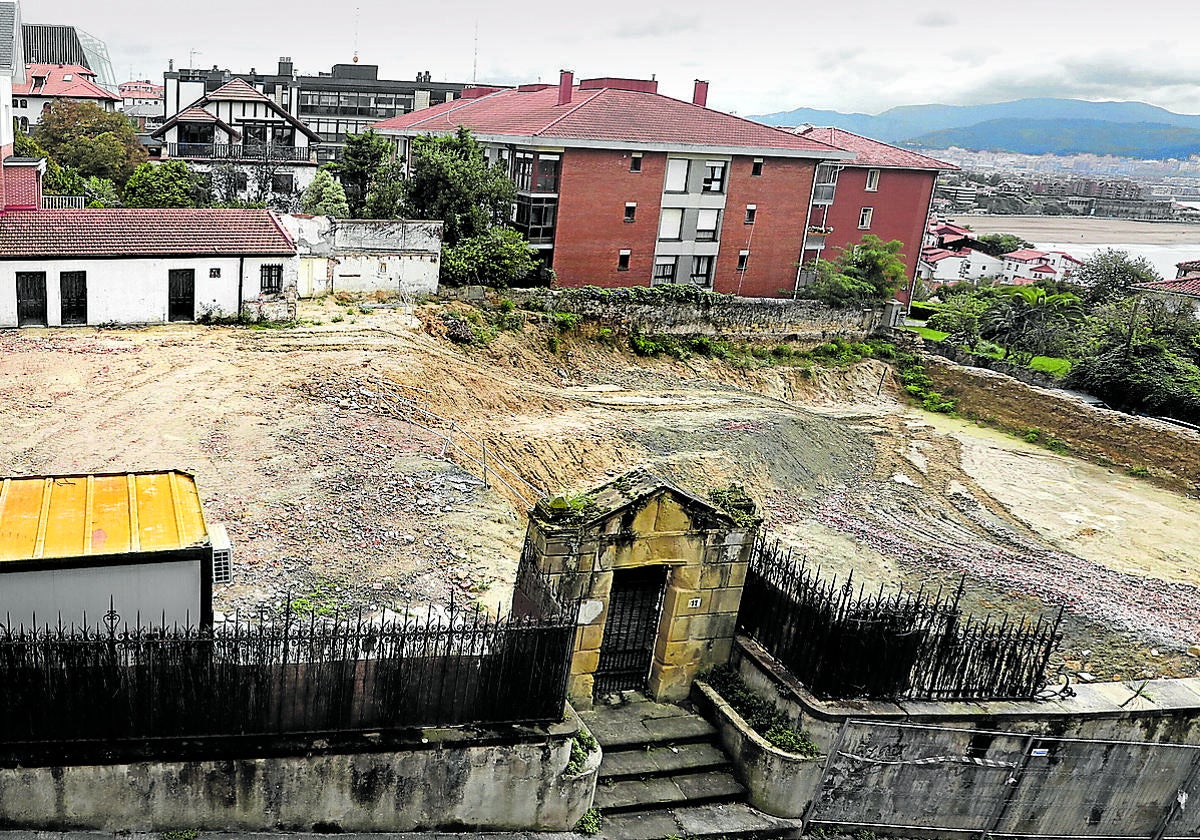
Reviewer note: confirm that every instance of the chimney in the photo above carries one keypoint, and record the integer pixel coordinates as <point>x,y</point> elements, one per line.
<point>700,93</point>
<point>566,84</point>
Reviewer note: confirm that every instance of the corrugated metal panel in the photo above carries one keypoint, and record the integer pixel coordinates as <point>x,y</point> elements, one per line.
<point>70,516</point>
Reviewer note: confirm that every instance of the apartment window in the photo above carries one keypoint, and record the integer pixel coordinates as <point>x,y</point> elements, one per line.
<point>283,182</point>
<point>677,175</point>
<point>743,258</point>
<point>872,180</point>
<point>664,269</point>
<point>523,171</point>
<point>535,217</point>
<point>864,218</point>
<point>702,270</point>
<point>751,212</point>
<point>547,174</point>
<point>630,211</point>
<point>635,162</point>
<point>270,279</point>
<point>714,176</point>
<point>670,226</point>
<point>623,260</point>
<point>756,168</point>
<point>706,225</point>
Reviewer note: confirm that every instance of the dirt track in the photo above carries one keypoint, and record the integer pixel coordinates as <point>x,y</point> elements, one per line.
<point>329,495</point>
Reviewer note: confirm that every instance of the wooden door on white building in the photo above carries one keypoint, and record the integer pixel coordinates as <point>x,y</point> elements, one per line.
<point>181,294</point>
<point>73,295</point>
<point>31,298</point>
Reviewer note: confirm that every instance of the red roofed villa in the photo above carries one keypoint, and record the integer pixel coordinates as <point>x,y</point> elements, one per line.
<point>1184,287</point>
<point>46,83</point>
<point>1026,266</point>
<point>618,185</point>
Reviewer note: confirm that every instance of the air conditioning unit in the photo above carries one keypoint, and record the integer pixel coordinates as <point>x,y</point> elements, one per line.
<point>222,559</point>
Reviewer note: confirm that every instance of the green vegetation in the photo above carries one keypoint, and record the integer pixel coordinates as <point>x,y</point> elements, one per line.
<point>83,137</point>
<point>180,834</point>
<point>931,334</point>
<point>735,501</point>
<point>589,823</point>
<point>760,714</point>
<point>362,156</point>
<point>569,510</point>
<point>169,184</point>
<point>582,745</point>
<point>324,599</point>
<point>868,272</point>
<point>325,197</point>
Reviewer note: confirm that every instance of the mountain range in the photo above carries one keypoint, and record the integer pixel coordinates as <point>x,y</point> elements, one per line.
<point>1028,126</point>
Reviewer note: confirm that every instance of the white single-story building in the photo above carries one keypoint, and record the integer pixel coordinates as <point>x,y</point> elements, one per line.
<point>96,267</point>
<point>399,256</point>
<point>80,546</point>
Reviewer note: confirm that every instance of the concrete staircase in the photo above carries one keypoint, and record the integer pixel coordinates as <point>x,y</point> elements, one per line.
<point>664,775</point>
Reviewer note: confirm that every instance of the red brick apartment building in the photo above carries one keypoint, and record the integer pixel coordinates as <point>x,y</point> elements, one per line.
<point>621,186</point>
<point>886,191</point>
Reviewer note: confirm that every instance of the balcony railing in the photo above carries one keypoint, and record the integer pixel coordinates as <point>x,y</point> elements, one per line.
<point>240,151</point>
<point>64,202</point>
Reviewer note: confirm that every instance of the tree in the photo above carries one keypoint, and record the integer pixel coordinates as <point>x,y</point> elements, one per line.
<point>1111,274</point>
<point>962,317</point>
<point>385,195</point>
<point>101,192</point>
<point>362,155</point>
<point>169,184</point>
<point>451,180</point>
<point>500,257</point>
<point>325,197</point>
<point>1029,322</point>
<point>996,244</point>
<point>868,272</point>
<point>83,136</point>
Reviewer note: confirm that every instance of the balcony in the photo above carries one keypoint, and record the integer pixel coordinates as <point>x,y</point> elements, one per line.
<point>240,152</point>
<point>64,202</point>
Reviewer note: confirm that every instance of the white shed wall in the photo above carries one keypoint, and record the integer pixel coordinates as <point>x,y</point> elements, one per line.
<point>134,291</point>
<point>152,588</point>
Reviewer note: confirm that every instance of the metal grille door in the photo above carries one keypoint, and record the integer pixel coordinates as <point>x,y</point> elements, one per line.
<point>629,633</point>
<point>31,298</point>
<point>73,294</point>
<point>181,294</point>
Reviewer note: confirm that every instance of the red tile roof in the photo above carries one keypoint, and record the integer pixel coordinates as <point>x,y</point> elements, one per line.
<point>1024,255</point>
<point>78,86</point>
<point>237,91</point>
<point>606,116</point>
<point>1043,269</point>
<point>142,233</point>
<point>1188,285</point>
<point>873,153</point>
<point>933,255</point>
<point>1189,265</point>
<point>197,115</point>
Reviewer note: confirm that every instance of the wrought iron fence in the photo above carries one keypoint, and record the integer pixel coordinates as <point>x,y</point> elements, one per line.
<point>845,643</point>
<point>295,675</point>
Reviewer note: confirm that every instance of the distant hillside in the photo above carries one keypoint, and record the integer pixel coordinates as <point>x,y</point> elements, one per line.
<point>1068,137</point>
<point>1145,130</point>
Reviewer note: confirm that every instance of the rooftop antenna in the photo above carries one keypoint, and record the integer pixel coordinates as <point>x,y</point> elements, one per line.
<point>475,59</point>
<point>355,59</point>
<point>192,53</point>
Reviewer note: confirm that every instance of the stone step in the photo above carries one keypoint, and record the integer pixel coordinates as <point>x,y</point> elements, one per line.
<point>729,820</point>
<point>662,761</point>
<point>666,791</point>
<point>640,722</point>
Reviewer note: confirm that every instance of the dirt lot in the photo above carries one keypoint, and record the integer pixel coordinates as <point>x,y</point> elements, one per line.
<point>299,442</point>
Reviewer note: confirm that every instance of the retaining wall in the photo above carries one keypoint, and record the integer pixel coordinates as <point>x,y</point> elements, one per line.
<point>1169,452</point>
<point>451,779</point>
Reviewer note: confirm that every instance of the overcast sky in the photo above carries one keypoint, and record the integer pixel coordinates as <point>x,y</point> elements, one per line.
<point>848,55</point>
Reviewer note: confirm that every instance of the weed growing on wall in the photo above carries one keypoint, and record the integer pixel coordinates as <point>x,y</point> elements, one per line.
<point>582,745</point>
<point>760,713</point>
<point>589,823</point>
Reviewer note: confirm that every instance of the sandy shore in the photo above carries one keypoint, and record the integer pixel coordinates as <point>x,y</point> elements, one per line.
<point>1085,231</point>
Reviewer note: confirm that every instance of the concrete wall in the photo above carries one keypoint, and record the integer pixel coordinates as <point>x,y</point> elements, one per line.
<point>724,317</point>
<point>364,255</point>
<point>134,291</point>
<point>1169,452</point>
<point>451,779</point>
<point>777,782</point>
<point>153,589</point>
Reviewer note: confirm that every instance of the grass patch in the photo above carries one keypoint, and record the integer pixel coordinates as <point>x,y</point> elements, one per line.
<point>931,334</point>
<point>1052,365</point>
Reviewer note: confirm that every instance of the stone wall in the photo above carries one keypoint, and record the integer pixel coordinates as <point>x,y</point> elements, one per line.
<point>452,779</point>
<point>719,316</point>
<point>1169,452</point>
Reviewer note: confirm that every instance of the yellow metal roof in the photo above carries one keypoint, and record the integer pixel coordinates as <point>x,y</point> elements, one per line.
<point>80,515</point>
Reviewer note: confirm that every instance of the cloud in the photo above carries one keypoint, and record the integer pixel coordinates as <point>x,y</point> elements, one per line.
<point>936,20</point>
<point>661,26</point>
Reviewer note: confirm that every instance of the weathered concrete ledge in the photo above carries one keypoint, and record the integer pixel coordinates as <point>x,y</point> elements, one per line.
<point>449,779</point>
<point>1161,711</point>
<point>778,783</point>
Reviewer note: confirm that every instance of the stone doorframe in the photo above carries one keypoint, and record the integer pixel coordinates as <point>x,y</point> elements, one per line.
<point>641,520</point>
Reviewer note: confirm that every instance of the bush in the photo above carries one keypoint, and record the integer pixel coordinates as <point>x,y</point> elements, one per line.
<point>759,713</point>
<point>589,823</point>
<point>567,321</point>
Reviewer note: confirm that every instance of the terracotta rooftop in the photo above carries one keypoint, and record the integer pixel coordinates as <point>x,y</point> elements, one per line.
<point>142,233</point>
<point>66,80</point>
<point>1025,255</point>
<point>1188,285</point>
<point>873,153</point>
<point>607,116</point>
